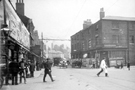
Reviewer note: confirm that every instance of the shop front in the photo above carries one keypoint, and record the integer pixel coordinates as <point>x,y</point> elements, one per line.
<point>14,36</point>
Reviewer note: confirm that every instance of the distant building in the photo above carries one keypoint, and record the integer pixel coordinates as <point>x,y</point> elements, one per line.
<point>53,54</point>
<point>112,37</point>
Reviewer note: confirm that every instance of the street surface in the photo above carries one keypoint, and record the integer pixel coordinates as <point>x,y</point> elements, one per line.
<point>80,79</point>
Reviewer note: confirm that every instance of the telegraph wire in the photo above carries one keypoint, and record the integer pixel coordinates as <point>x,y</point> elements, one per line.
<point>75,18</point>
<point>112,5</point>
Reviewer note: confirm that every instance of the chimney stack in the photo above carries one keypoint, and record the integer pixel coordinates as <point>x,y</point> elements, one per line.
<point>20,7</point>
<point>102,13</point>
<point>86,23</point>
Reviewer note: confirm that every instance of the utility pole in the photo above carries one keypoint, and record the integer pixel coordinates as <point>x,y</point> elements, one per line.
<point>42,49</point>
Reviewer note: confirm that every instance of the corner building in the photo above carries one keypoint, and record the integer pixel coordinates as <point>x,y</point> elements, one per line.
<point>111,37</point>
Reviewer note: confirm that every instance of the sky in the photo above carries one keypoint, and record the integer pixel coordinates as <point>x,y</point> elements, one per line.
<point>62,18</point>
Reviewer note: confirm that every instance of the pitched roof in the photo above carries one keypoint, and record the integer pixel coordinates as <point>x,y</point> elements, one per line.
<point>119,18</point>
<point>24,19</point>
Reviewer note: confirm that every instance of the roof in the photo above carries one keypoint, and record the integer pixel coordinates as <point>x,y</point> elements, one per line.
<point>24,19</point>
<point>119,18</point>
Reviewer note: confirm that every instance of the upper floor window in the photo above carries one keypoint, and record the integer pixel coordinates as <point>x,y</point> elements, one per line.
<point>83,46</point>
<point>97,39</point>
<point>89,43</point>
<point>115,39</point>
<point>96,27</point>
<point>131,39</point>
<point>131,26</point>
<point>115,25</point>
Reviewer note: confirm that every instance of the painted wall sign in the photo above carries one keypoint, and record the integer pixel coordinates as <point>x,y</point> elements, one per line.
<point>1,11</point>
<point>18,31</point>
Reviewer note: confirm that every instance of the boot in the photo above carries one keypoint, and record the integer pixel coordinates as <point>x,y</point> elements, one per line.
<point>98,74</point>
<point>106,74</point>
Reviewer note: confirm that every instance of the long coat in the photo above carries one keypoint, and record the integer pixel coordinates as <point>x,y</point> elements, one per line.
<point>32,67</point>
<point>14,67</point>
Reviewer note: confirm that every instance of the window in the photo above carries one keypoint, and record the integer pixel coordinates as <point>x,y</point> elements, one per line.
<point>115,25</point>
<point>89,43</point>
<point>131,26</point>
<point>97,40</point>
<point>131,39</point>
<point>115,39</point>
<point>83,47</point>
<point>96,27</point>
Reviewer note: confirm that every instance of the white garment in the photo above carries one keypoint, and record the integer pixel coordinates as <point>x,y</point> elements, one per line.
<point>103,64</point>
<point>105,70</point>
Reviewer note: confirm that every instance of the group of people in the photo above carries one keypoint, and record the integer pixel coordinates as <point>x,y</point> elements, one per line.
<point>22,68</point>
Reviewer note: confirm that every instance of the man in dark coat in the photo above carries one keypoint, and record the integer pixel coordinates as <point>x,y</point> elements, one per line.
<point>47,70</point>
<point>32,68</point>
<point>22,70</point>
<point>14,69</point>
<point>128,65</point>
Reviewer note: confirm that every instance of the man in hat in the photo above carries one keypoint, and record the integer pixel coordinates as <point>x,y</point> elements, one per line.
<point>14,69</point>
<point>47,69</point>
<point>22,71</point>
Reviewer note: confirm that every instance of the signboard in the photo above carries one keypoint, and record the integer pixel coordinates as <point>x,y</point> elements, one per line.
<point>18,31</point>
<point>1,11</point>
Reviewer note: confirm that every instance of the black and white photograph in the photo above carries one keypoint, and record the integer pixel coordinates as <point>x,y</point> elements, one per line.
<point>67,44</point>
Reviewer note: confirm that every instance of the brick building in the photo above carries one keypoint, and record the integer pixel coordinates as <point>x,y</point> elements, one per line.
<point>112,37</point>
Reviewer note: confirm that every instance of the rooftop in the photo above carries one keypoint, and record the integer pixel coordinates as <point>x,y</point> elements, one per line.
<point>119,18</point>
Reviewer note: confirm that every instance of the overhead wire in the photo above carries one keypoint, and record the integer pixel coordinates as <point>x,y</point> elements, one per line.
<point>76,17</point>
<point>112,5</point>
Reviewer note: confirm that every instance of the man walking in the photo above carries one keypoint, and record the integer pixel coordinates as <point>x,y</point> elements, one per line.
<point>47,70</point>
<point>14,68</point>
<point>22,71</point>
<point>128,65</point>
<point>103,67</point>
<point>32,68</point>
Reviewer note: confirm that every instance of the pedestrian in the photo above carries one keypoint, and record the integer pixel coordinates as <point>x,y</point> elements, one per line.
<point>103,67</point>
<point>47,70</point>
<point>128,65</point>
<point>22,70</point>
<point>14,69</point>
<point>121,64</point>
<point>32,68</point>
<point>28,69</point>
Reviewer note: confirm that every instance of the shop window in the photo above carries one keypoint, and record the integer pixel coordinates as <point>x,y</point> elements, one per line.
<point>115,54</point>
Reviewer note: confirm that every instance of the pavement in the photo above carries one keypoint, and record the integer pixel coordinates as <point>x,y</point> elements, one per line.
<point>77,79</point>
<point>38,73</point>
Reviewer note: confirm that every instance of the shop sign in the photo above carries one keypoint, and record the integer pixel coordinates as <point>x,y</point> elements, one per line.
<point>1,11</point>
<point>18,30</point>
